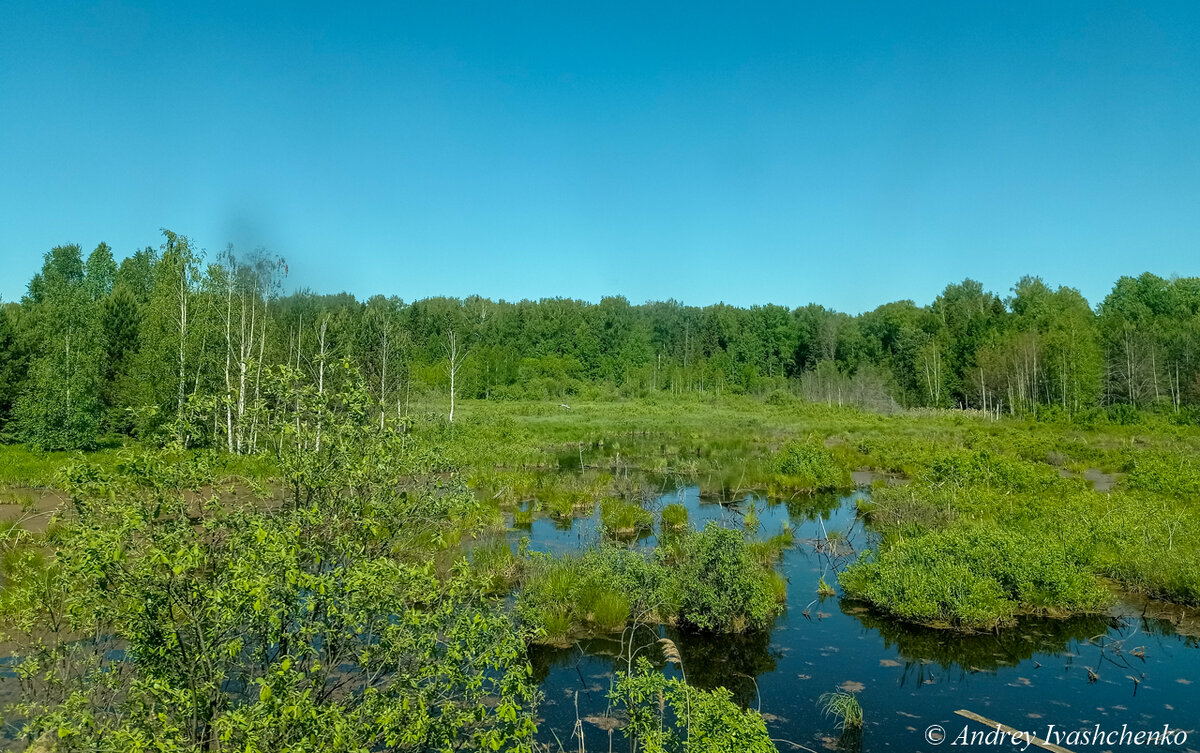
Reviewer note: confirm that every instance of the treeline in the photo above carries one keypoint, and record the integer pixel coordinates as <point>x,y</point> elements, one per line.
<point>169,343</point>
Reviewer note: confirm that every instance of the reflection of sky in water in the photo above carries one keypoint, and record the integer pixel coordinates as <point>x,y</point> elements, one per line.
<point>1026,676</point>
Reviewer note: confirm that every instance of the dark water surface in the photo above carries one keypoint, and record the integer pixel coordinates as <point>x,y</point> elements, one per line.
<point>1028,676</point>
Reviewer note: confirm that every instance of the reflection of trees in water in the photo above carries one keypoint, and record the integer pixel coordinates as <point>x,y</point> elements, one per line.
<point>730,661</point>
<point>924,647</point>
<point>709,660</point>
<point>1184,626</point>
<point>812,506</point>
<point>544,659</point>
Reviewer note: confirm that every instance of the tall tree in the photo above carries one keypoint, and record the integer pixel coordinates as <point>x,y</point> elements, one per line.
<point>60,406</point>
<point>121,321</point>
<point>12,366</point>
<point>100,272</point>
<point>169,336</point>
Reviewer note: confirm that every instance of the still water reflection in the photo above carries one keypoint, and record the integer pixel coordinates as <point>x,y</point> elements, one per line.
<point>1029,675</point>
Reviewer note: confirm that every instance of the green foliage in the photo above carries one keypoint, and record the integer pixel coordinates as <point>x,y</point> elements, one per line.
<point>985,468</point>
<point>624,518</point>
<point>167,346</point>
<point>669,716</point>
<point>60,405</point>
<point>12,367</point>
<point>972,577</point>
<point>721,588</point>
<point>243,625</point>
<point>844,707</point>
<point>807,464</point>
<point>1163,473</point>
<point>121,322</point>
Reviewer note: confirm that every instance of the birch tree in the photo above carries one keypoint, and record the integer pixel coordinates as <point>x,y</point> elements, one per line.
<point>455,356</point>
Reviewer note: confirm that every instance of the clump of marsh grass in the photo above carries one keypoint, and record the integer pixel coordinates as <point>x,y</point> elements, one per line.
<point>750,521</point>
<point>523,518</point>
<point>557,627</point>
<point>806,464</point>
<point>785,537</point>
<point>624,518</point>
<point>844,707</point>
<point>610,611</point>
<point>779,586</point>
<point>497,565</point>
<point>674,516</point>
<point>824,589</point>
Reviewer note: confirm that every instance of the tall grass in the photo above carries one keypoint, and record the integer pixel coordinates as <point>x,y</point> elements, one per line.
<point>624,518</point>
<point>674,516</point>
<point>844,707</point>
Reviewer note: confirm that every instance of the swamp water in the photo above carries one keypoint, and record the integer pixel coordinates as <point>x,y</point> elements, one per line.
<point>1028,676</point>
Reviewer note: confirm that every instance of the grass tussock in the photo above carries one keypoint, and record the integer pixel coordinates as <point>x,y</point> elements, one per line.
<point>844,707</point>
<point>674,517</point>
<point>622,518</point>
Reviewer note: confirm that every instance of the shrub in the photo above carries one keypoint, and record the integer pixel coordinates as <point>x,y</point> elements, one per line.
<point>807,464</point>
<point>986,468</point>
<point>670,716</point>
<point>1163,473</point>
<point>721,587</point>
<point>782,398</point>
<point>972,578</point>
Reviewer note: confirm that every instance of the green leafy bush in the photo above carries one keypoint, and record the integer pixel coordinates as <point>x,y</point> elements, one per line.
<point>987,468</point>
<point>670,716</point>
<point>972,578</point>
<point>720,585</point>
<point>1164,473</point>
<point>807,464</point>
<point>235,622</point>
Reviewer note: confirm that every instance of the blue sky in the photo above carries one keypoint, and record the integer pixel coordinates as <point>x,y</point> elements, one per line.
<point>847,154</point>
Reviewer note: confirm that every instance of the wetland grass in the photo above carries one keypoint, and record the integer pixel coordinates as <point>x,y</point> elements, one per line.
<point>844,707</point>
<point>622,518</point>
<point>674,517</point>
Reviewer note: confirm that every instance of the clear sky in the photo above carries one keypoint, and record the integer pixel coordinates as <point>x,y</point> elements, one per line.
<point>846,153</point>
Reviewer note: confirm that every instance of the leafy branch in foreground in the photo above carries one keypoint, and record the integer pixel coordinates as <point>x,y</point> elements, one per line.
<point>186,615</point>
<point>666,715</point>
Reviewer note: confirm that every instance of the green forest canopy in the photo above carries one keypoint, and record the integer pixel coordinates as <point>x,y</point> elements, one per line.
<point>168,341</point>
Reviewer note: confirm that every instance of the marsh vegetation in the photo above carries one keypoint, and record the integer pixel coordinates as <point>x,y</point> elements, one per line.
<point>280,537</point>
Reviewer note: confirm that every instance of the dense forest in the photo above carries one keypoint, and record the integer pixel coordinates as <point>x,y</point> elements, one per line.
<point>169,342</point>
